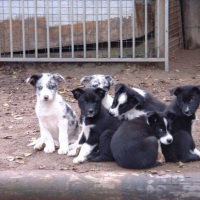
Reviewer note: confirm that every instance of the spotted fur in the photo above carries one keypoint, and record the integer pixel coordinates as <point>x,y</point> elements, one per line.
<point>57,119</point>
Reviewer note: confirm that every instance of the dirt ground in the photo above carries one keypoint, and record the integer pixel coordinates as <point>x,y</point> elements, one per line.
<point>19,125</point>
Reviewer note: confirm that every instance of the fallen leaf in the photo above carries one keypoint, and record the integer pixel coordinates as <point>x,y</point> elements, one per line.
<point>68,77</point>
<point>10,127</point>
<point>177,70</point>
<point>181,164</point>
<point>79,85</point>
<point>72,100</point>
<point>19,157</point>
<point>19,161</point>
<point>64,168</point>
<point>10,158</point>
<point>75,168</point>
<point>27,154</point>
<point>6,105</point>
<point>7,137</point>
<point>18,117</point>
<point>168,170</point>
<point>178,171</point>
<point>42,167</point>
<point>153,172</point>
<point>81,171</point>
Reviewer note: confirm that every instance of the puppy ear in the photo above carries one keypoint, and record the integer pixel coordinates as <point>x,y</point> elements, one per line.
<point>86,80</point>
<point>152,117</point>
<point>172,116</point>
<point>110,79</point>
<point>33,79</point>
<point>77,93</point>
<point>197,89</point>
<point>119,86</point>
<point>139,98</point>
<point>101,92</point>
<point>176,91</point>
<point>58,78</point>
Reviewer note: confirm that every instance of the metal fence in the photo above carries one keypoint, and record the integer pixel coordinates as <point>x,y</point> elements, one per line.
<point>84,31</point>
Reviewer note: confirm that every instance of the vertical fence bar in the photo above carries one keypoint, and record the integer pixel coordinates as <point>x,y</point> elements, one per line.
<point>133,28</point>
<point>97,31</point>
<point>108,7</point>
<point>23,30</point>
<point>166,35</point>
<point>146,21</point>
<point>72,29</point>
<point>60,33</point>
<point>11,33</point>
<point>121,38</point>
<point>35,24</point>
<point>47,21</point>
<point>158,28</point>
<point>84,30</point>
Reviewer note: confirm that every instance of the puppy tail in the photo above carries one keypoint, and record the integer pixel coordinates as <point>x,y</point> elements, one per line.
<point>34,142</point>
<point>102,158</point>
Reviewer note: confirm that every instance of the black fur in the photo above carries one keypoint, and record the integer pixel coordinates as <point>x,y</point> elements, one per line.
<point>93,114</point>
<point>135,101</point>
<point>184,105</point>
<point>135,144</point>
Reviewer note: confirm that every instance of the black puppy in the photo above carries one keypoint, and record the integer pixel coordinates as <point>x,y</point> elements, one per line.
<point>136,143</point>
<point>184,105</point>
<point>95,119</point>
<point>133,102</point>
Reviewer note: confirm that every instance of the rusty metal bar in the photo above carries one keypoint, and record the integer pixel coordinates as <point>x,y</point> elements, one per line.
<point>62,185</point>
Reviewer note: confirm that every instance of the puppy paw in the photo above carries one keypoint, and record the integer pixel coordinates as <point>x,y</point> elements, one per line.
<point>72,146</point>
<point>74,152</point>
<point>39,146</point>
<point>79,159</point>
<point>122,118</point>
<point>49,149</point>
<point>160,158</point>
<point>63,150</point>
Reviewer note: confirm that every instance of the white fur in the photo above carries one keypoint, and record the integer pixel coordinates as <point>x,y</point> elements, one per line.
<point>131,114</point>
<point>73,147</point>
<point>100,81</point>
<point>195,151</point>
<point>86,149</point>
<point>141,92</point>
<point>121,100</point>
<point>51,121</point>
<point>168,136</point>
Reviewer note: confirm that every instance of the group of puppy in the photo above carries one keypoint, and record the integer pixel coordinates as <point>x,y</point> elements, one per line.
<point>134,128</point>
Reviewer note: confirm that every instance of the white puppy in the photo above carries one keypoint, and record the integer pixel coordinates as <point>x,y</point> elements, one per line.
<point>100,81</point>
<point>57,119</point>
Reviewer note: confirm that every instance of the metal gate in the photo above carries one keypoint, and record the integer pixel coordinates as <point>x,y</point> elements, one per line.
<point>84,31</point>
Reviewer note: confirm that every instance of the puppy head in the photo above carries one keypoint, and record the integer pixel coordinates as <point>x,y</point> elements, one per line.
<point>188,98</point>
<point>89,100</point>
<point>124,100</point>
<point>98,81</point>
<point>46,85</point>
<point>160,126</point>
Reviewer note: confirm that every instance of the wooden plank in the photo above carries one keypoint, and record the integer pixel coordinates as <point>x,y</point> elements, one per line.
<point>66,31</point>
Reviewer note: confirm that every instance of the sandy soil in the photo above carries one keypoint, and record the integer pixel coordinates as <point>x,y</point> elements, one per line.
<point>19,125</point>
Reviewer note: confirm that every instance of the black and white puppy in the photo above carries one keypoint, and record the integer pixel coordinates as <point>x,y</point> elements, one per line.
<point>136,143</point>
<point>57,119</point>
<point>100,81</point>
<point>95,119</point>
<point>184,105</point>
<point>133,102</point>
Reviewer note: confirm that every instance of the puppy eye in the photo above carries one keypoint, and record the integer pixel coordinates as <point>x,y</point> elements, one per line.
<point>40,88</point>
<point>160,130</point>
<point>191,100</point>
<point>94,86</point>
<point>122,105</point>
<point>51,87</point>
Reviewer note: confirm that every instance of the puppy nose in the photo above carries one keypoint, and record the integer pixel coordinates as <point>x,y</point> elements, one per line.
<point>46,97</point>
<point>90,110</point>
<point>169,141</point>
<point>187,111</point>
